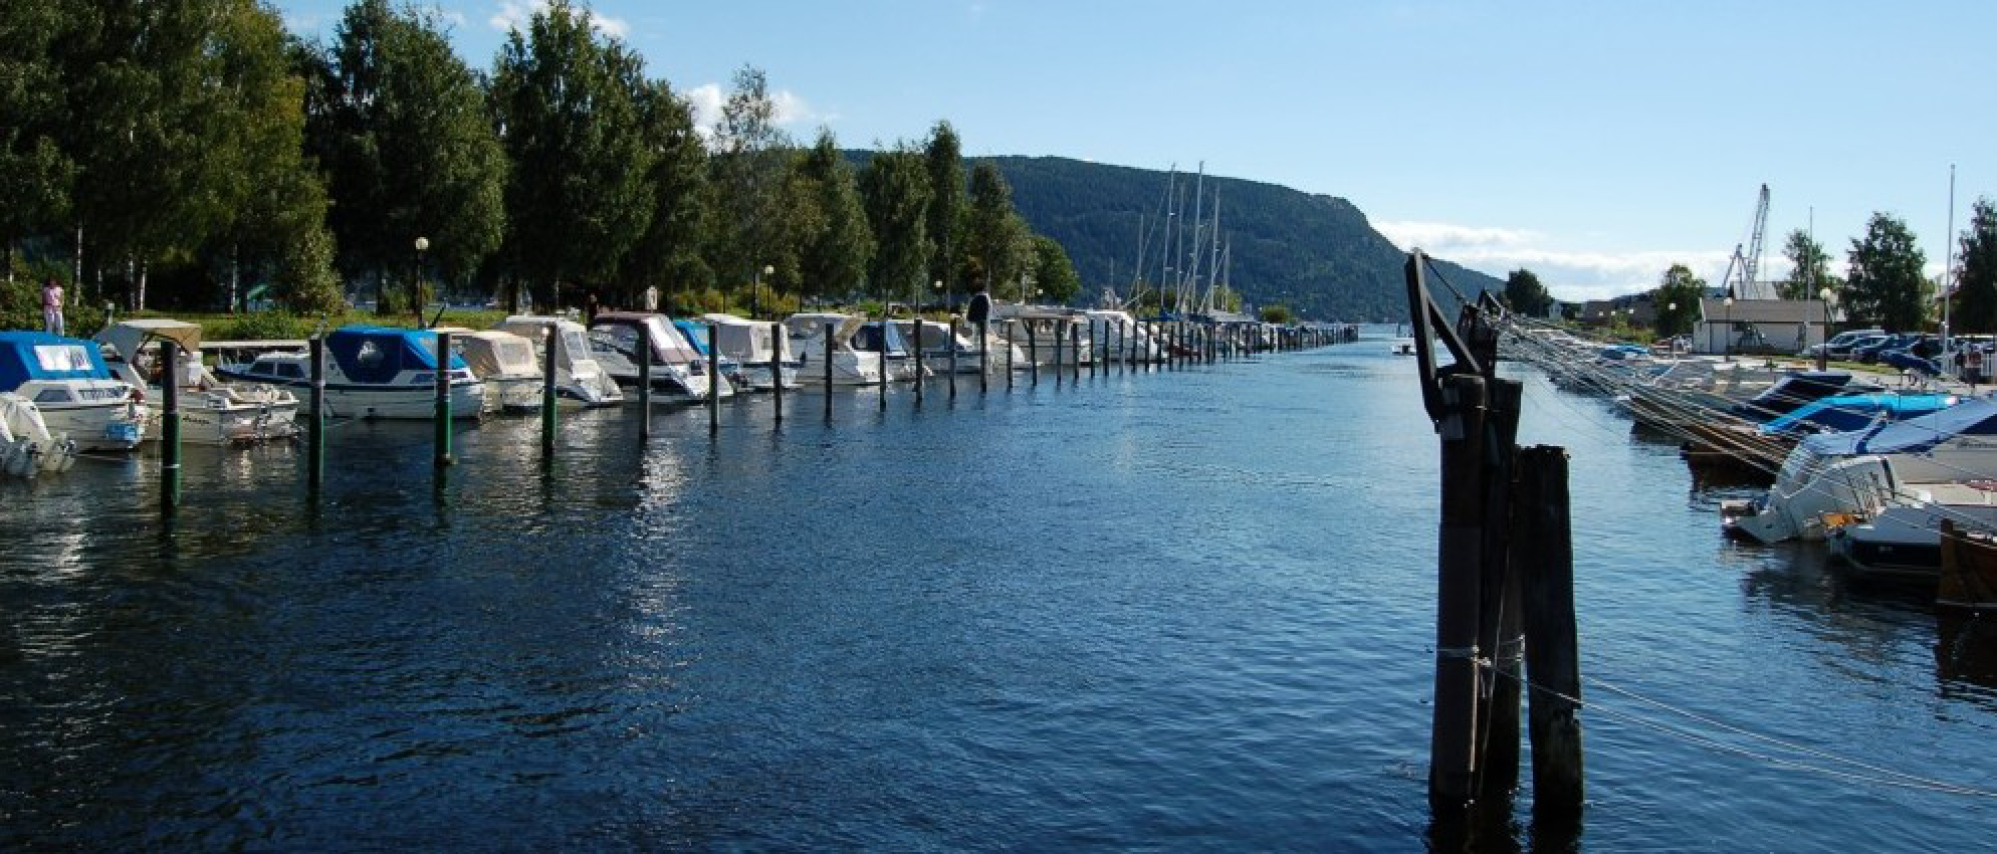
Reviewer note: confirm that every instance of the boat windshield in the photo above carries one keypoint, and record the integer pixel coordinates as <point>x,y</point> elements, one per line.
<point>62,357</point>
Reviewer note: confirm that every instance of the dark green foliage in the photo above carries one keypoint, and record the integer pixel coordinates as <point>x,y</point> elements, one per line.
<point>670,256</point>
<point>1885,285</point>
<point>1525,295</point>
<point>944,157</point>
<point>35,171</point>
<point>997,250</point>
<point>895,187</point>
<point>838,244</point>
<point>1053,274</point>
<point>1809,268</point>
<point>1676,300</point>
<point>750,173</point>
<point>1976,275</point>
<point>579,193</point>
<point>1277,313</point>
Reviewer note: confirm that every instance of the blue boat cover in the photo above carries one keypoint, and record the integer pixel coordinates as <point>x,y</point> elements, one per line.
<point>28,356</point>
<point>867,339</point>
<point>696,333</point>
<point>1857,411</point>
<point>375,354</point>
<point>1974,417</point>
<point>1797,389</point>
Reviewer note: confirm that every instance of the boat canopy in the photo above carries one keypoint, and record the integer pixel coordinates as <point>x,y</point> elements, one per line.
<point>812,324</point>
<point>669,347</point>
<point>26,356</point>
<point>1857,411</point>
<point>493,353</point>
<point>694,333</point>
<point>1797,389</point>
<point>868,339</point>
<point>1975,417</point>
<point>127,336</point>
<point>376,354</point>
<point>749,342</point>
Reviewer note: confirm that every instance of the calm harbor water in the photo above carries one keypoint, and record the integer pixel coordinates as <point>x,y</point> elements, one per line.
<point>1188,611</point>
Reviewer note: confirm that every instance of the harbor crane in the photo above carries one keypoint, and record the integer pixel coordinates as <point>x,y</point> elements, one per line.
<point>1748,262</point>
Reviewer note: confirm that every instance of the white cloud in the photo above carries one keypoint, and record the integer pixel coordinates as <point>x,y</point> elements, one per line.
<point>515,15</point>
<point>1569,273</point>
<point>790,108</point>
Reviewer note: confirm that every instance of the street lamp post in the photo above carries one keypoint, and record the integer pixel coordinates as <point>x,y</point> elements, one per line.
<point>1673,325</point>
<point>756,290</point>
<point>416,284</point>
<point>1824,346</point>
<point>1729,322</point>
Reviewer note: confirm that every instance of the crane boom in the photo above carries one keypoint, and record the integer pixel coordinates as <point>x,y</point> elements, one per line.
<point>1751,264</point>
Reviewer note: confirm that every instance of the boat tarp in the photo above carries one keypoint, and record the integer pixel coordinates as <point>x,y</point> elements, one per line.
<point>669,347</point>
<point>498,354</point>
<point>694,333</point>
<point>868,340</point>
<point>1856,411</point>
<point>813,324</point>
<point>375,354</point>
<point>749,342</point>
<point>1975,417</point>
<point>26,356</point>
<point>127,336</point>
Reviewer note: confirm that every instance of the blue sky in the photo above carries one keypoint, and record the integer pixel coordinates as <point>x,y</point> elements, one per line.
<point>1595,143</point>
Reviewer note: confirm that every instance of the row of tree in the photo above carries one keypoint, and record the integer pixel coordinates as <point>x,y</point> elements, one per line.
<point>1883,283</point>
<point>200,146</point>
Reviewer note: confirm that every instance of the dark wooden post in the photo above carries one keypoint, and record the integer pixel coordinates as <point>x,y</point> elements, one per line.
<point>443,414</point>
<point>169,428</point>
<point>315,423</point>
<point>1009,347</point>
<point>1499,619</point>
<point>829,327</point>
<point>1058,350</point>
<point>713,381</point>
<point>1545,558</point>
<point>1452,745</point>
<point>950,341</point>
<point>984,356</point>
<point>776,368</point>
<point>1075,338</point>
<point>884,361</point>
<point>645,379</point>
<point>550,340</point>
<point>1032,353</point>
<point>918,356</point>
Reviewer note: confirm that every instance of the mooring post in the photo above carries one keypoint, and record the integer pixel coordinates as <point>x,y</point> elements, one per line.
<point>169,428</point>
<point>1452,746</point>
<point>1032,353</point>
<point>1075,338</point>
<point>443,413</point>
<point>1499,620</point>
<point>315,423</point>
<point>884,362</point>
<point>776,369</point>
<point>550,340</point>
<point>1058,329</point>
<point>713,380</point>
<point>950,341</point>
<point>918,357</point>
<point>1545,559</point>
<point>1010,336</point>
<point>984,356</point>
<point>828,371</point>
<point>645,380</point>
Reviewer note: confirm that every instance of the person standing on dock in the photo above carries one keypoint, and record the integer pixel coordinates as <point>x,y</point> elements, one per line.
<point>52,307</point>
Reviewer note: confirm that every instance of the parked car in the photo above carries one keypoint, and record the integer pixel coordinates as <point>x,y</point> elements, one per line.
<point>1841,343</point>
<point>1869,353</point>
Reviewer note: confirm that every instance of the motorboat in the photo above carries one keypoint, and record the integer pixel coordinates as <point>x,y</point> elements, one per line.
<point>850,366</point>
<point>373,372</point>
<point>1903,541</point>
<point>579,380</point>
<point>749,347</point>
<point>1860,473</point>
<point>937,341</point>
<point>506,363</point>
<point>1124,335</point>
<point>74,390</point>
<point>1968,569</point>
<point>900,361</point>
<point>27,448</point>
<point>212,412</point>
<point>678,371</point>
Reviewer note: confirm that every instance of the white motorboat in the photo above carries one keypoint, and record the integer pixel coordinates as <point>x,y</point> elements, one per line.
<point>373,372</point>
<point>78,397</point>
<point>1833,476</point>
<point>579,380</point>
<point>679,374</point>
<point>211,412</point>
<point>850,366</point>
<point>506,363</point>
<point>1904,541</point>
<point>750,347</point>
<point>27,448</point>
<point>937,341</point>
<point>899,364</point>
<point>1124,335</point>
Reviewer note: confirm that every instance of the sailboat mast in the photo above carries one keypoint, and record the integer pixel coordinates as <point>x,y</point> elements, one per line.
<point>1192,278</point>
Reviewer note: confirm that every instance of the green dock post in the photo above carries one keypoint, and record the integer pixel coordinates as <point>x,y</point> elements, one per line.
<point>950,341</point>
<point>549,342</point>
<point>169,429</point>
<point>776,367</point>
<point>884,361</point>
<point>315,423</point>
<point>443,413</point>
<point>918,357</point>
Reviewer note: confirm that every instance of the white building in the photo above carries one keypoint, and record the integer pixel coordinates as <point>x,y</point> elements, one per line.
<point>1760,325</point>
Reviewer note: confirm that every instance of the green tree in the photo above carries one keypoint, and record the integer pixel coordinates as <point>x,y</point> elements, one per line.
<point>996,245</point>
<point>895,188</point>
<point>35,171</point>
<point>1053,273</point>
<point>1809,268</point>
<point>1675,301</point>
<point>944,157</point>
<point>835,252</point>
<point>1277,314</point>
<point>579,196</point>
<point>1976,277</point>
<point>1884,284</point>
<point>403,128</point>
<point>671,254</point>
<point>750,171</point>
<point>1525,295</point>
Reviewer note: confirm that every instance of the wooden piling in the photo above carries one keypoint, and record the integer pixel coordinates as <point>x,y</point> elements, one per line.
<point>829,327</point>
<point>1499,621</point>
<point>1058,349</point>
<point>1545,559</point>
<point>776,370</point>
<point>1452,745</point>
<point>918,356</point>
<point>950,341</point>
<point>548,408</point>
<point>315,423</point>
<point>984,356</point>
<point>1008,355</point>
<point>884,361</point>
<point>713,380</point>
<point>169,428</point>
<point>443,408</point>
<point>645,378</point>
<point>1075,339</point>
<point>1033,353</point>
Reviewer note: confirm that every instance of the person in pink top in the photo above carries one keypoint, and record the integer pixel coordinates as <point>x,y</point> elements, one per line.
<point>52,307</point>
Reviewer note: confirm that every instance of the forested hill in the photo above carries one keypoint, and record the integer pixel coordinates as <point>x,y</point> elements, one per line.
<point>1315,253</point>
